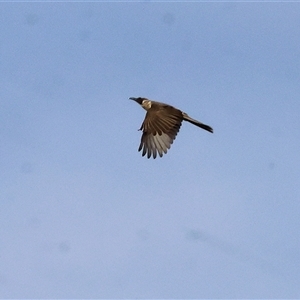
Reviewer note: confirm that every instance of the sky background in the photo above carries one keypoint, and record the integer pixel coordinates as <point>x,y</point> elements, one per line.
<point>84,215</point>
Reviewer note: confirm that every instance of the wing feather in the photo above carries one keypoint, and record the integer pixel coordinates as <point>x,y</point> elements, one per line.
<point>160,127</point>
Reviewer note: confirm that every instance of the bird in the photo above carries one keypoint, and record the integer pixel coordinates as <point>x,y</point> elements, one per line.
<point>161,125</point>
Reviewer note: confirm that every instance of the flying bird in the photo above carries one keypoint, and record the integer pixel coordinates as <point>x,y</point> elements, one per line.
<point>161,125</point>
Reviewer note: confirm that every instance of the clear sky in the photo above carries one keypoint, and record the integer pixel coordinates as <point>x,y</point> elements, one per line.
<point>84,215</point>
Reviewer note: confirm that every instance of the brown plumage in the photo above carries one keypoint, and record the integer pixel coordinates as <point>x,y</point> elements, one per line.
<point>161,125</point>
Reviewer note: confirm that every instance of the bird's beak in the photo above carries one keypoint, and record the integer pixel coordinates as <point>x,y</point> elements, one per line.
<point>138,100</point>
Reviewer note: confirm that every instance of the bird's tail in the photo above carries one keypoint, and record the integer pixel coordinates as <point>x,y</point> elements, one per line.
<point>197,123</point>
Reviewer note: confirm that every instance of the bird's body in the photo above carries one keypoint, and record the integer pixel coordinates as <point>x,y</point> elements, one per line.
<point>161,125</point>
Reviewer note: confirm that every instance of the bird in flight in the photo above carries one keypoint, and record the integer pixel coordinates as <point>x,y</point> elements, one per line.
<point>161,125</point>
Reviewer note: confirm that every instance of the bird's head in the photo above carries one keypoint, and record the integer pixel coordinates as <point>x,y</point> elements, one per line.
<point>139,100</point>
<point>144,102</point>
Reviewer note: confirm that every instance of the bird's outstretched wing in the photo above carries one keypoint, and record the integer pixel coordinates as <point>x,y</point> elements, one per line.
<point>160,127</point>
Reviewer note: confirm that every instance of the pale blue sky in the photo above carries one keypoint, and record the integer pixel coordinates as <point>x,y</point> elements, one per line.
<point>84,215</point>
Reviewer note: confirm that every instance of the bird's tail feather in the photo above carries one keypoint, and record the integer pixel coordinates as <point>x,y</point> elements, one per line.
<point>197,123</point>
